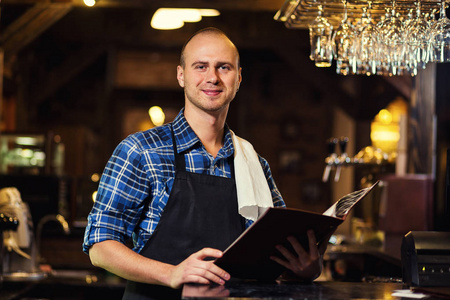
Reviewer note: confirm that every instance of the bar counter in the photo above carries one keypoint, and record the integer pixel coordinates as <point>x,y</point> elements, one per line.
<point>73,286</point>
<point>323,290</point>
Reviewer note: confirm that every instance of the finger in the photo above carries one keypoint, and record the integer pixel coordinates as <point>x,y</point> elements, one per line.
<point>313,251</point>
<point>197,279</point>
<point>301,252</point>
<point>286,253</point>
<point>212,272</point>
<point>207,252</point>
<point>204,273</point>
<point>281,262</point>
<point>197,270</point>
<point>219,272</point>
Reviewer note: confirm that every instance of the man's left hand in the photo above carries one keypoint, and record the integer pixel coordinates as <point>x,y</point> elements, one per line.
<point>305,265</point>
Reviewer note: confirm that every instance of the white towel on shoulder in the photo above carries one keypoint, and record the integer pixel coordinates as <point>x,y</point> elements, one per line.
<point>253,192</point>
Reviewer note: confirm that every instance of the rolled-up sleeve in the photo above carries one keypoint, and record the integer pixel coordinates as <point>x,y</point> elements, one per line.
<point>122,192</point>
<point>276,195</point>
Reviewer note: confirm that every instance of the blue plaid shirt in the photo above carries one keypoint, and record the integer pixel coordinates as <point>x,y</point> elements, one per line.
<point>138,178</point>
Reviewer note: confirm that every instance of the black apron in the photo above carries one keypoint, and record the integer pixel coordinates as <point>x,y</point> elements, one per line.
<point>201,211</point>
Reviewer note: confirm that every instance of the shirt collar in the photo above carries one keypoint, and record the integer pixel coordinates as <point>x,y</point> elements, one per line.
<point>186,138</point>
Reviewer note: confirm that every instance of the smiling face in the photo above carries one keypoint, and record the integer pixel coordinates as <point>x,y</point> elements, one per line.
<point>211,74</point>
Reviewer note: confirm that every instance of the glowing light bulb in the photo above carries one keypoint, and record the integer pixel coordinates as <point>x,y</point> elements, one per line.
<point>95,177</point>
<point>89,3</point>
<point>156,115</point>
<point>385,116</point>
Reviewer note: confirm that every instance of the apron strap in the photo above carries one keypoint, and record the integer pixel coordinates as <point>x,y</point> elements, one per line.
<point>180,164</point>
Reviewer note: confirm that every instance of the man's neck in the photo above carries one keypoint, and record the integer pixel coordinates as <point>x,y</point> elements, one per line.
<point>209,127</point>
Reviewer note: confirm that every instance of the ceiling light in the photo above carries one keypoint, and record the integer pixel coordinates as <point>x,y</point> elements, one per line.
<point>209,12</point>
<point>174,18</point>
<point>188,15</point>
<point>89,3</point>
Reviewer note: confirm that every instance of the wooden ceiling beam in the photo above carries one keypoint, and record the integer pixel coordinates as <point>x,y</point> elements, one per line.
<point>60,76</point>
<point>250,5</point>
<point>31,24</point>
<point>253,5</point>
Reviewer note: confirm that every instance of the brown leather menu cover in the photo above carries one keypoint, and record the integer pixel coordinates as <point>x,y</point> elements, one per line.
<point>248,257</point>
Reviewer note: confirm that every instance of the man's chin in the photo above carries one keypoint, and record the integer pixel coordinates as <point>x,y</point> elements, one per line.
<point>211,107</point>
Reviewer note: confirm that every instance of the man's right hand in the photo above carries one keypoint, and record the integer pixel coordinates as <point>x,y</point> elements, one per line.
<point>124,262</point>
<point>195,269</point>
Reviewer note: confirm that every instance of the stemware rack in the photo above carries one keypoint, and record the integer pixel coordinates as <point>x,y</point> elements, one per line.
<point>298,14</point>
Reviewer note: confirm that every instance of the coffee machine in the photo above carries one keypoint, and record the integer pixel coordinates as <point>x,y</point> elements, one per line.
<point>19,257</point>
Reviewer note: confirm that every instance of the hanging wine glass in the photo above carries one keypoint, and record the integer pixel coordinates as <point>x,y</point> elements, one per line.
<point>320,31</point>
<point>431,20</point>
<point>407,26</point>
<point>409,20</point>
<point>393,40</point>
<point>383,58</point>
<point>441,37</point>
<point>343,39</point>
<point>417,40</point>
<point>367,45</point>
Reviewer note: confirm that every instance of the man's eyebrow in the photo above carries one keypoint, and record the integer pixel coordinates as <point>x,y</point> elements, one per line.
<point>219,63</point>
<point>225,63</point>
<point>199,62</point>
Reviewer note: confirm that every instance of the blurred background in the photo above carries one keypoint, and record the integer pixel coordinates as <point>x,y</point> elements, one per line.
<point>77,79</point>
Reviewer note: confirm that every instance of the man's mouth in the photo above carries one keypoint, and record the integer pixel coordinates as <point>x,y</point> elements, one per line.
<point>212,92</point>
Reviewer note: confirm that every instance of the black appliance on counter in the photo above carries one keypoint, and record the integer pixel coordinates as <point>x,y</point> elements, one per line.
<point>426,258</point>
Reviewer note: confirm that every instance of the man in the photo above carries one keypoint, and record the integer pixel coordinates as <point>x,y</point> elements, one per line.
<point>172,188</point>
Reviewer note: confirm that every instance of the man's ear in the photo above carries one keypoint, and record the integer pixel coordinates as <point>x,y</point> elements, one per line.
<point>180,76</point>
<point>239,79</point>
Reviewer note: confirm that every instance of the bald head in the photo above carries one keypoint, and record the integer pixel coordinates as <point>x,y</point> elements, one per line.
<point>206,31</point>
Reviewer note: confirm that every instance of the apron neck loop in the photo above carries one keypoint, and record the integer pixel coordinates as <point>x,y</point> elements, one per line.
<point>180,164</point>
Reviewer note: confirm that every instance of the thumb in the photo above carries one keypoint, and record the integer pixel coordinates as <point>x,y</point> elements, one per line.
<point>208,252</point>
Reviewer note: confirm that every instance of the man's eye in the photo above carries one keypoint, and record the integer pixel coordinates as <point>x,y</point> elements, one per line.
<point>200,67</point>
<point>225,68</point>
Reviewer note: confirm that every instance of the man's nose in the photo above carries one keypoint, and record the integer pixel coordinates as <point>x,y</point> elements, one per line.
<point>212,76</point>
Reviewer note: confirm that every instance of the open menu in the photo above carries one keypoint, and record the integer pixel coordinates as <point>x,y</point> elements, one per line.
<point>248,257</point>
